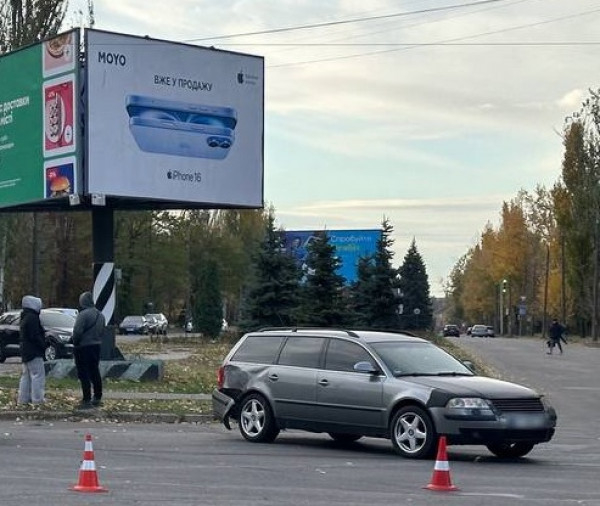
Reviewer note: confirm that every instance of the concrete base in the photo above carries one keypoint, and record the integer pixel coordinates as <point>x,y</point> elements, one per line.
<point>134,370</point>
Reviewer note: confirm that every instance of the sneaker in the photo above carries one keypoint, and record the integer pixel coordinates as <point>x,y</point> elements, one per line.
<point>84,405</point>
<point>96,402</point>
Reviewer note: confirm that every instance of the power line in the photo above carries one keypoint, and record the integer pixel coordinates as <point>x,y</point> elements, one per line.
<point>356,20</point>
<point>417,44</point>
<point>447,42</point>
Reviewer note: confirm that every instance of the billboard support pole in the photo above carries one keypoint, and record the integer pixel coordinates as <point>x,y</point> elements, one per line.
<point>104,275</point>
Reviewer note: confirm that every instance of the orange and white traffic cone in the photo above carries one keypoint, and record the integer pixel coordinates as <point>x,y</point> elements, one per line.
<point>440,480</point>
<point>88,478</point>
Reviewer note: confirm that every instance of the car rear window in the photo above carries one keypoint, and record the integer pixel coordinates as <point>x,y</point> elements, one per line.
<point>259,349</point>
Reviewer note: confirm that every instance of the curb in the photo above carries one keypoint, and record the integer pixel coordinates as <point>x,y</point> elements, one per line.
<point>106,416</point>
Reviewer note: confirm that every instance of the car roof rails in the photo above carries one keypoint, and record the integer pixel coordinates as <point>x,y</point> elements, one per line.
<point>323,329</point>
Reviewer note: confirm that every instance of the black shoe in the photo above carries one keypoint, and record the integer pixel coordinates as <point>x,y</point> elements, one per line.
<point>84,405</point>
<point>96,402</point>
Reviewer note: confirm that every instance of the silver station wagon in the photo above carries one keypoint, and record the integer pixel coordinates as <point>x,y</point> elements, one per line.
<point>351,384</point>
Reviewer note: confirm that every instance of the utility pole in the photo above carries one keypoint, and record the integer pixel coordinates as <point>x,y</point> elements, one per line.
<point>502,292</point>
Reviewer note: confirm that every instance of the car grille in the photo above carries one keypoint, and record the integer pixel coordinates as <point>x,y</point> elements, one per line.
<point>508,405</point>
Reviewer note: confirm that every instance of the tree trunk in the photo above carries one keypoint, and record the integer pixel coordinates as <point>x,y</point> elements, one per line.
<point>546,276</point>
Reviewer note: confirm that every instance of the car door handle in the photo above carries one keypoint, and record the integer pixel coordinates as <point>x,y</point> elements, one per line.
<point>324,382</point>
<point>273,377</point>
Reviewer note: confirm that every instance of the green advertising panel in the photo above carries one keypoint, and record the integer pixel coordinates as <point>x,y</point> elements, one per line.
<point>39,145</point>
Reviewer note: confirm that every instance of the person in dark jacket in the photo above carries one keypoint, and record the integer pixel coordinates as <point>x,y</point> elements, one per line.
<point>33,344</point>
<point>87,340</point>
<point>556,334</point>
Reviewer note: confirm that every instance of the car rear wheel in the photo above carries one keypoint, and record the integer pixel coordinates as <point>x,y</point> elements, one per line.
<point>412,433</point>
<point>344,438</point>
<point>256,420</point>
<point>50,352</point>
<point>510,450</point>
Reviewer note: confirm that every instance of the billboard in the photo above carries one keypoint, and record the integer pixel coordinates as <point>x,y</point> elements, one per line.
<point>173,122</point>
<point>350,246</point>
<point>39,134</point>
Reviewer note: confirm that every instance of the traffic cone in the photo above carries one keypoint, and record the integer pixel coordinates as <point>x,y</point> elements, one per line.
<point>440,480</point>
<point>88,478</point>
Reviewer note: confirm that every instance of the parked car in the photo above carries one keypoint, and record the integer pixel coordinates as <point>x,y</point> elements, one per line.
<point>351,384</point>
<point>59,334</point>
<point>161,322</point>
<point>152,324</point>
<point>490,331</point>
<point>479,331</point>
<point>451,331</point>
<point>134,325</point>
<point>67,310</point>
<point>189,325</point>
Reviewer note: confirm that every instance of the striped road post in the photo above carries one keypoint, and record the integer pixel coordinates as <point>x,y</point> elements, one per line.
<point>104,290</point>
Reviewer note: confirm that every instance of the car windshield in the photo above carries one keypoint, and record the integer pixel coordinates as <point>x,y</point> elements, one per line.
<point>56,319</point>
<point>419,359</point>
<point>132,320</point>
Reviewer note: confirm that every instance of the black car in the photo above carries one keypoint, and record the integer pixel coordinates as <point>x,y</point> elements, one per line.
<point>134,325</point>
<point>59,334</point>
<point>451,330</point>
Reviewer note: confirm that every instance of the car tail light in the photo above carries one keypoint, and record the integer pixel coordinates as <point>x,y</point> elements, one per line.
<point>220,377</point>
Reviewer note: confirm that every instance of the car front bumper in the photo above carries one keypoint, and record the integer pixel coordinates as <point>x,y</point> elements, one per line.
<point>510,427</point>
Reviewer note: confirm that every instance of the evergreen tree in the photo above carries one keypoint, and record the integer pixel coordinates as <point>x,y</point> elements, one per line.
<point>323,299</point>
<point>414,290</point>
<point>272,296</point>
<point>374,296</point>
<point>208,303</point>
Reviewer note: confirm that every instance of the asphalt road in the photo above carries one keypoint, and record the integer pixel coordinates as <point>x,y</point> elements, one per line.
<point>208,465</point>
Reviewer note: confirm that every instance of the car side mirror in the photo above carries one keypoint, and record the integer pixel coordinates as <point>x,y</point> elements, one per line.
<point>366,367</point>
<point>469,364</point>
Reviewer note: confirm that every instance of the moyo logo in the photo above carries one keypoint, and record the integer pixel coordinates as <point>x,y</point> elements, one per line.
<point>112,58</point>
<point>190,177</point>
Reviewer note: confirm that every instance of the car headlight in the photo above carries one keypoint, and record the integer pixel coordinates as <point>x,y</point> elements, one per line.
<point>470,407</point>
<point>468,403</point>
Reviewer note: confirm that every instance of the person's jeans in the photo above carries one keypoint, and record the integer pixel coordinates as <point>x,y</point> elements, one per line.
<point>33,382</point>
<point>87,361</point>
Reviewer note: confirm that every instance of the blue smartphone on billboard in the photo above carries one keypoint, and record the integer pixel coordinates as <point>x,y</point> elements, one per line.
<point>181,129</point>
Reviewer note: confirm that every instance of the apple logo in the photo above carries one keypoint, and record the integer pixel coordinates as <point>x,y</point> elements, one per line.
<point>169,175</point>
<point>240,77</point>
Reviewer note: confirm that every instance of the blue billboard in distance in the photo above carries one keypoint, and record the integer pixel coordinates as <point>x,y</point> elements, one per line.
<point>350,245</point>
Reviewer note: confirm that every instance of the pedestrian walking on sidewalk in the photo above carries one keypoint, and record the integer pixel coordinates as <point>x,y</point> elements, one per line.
<point>556,334</point>
<point>32,384</point>
<point>87,339</point>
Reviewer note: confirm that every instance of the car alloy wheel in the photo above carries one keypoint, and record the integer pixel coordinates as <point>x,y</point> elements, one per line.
<point>50,352</point>
<point>412,432</point>
<point>256,420</point>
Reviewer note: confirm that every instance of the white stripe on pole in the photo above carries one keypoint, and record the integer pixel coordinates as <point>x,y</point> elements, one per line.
<point>103,278</point>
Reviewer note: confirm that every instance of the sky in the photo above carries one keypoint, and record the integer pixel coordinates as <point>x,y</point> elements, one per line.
<point>430,113</point>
